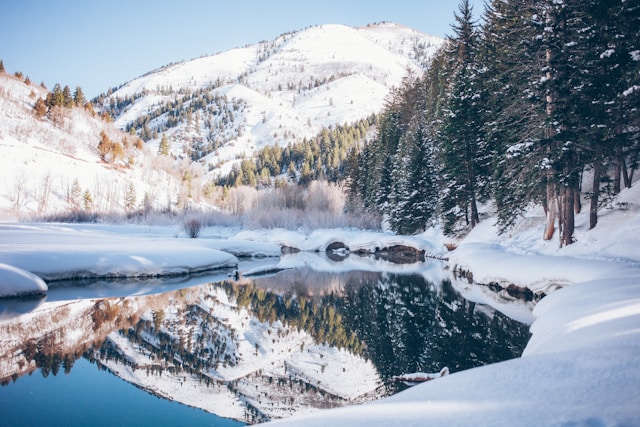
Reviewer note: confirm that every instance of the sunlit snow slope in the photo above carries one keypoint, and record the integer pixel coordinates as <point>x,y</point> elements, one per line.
<point>228,105</point>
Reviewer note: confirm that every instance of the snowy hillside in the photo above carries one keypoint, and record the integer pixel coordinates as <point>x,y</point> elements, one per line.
<point>213,111</point>
<point>219,108</point>
<point>52,164</point>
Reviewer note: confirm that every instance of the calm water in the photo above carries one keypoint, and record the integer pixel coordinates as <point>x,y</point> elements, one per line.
<point>251,350</point>
<point>89,396</point>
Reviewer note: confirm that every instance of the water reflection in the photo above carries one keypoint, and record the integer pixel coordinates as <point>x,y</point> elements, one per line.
<point>403,322</point>
<point>268,347</point>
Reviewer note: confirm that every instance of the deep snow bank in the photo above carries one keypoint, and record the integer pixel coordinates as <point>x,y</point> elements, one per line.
<point>580,368</point>
<point>15,282</point>
<point>57,252</point>
<point>520,256</point>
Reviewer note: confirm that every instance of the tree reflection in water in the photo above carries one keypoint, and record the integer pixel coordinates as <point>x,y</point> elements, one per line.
<point>401,323</point>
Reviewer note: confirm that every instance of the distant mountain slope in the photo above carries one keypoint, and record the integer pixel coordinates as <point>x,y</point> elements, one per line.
<point>219,109</point>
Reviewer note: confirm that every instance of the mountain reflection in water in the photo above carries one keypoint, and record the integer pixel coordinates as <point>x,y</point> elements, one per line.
<point>268,347</point>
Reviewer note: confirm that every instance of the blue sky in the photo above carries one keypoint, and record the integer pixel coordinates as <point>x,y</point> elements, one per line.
<point>98,44</point>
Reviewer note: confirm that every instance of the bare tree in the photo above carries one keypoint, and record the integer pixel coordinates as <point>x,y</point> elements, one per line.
<point>43,192</point>
<point>18,192</point>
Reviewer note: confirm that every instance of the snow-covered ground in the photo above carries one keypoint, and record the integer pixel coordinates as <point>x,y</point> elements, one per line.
<point>579,368</point>
<point>56,252</point>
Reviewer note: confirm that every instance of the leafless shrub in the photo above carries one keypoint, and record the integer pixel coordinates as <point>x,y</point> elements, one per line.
<point>76,216</point>
<point>192,227</point>
<point>451,246</point>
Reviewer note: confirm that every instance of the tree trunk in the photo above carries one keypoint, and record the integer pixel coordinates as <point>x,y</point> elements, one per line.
<point>552,210</point>
<point>577,203</point>
<point>633,164</point>
<point>567,217</point>
<point>552,198</point>
<point>616,175</point>
<point>595,194</point>
<point>625,174</point>
<point>475,218</point>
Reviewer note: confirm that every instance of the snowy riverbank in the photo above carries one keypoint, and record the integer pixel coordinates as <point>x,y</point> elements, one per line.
<point>579,368</point>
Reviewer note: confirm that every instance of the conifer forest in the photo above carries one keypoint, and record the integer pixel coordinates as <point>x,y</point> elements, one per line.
<point>535,103</point>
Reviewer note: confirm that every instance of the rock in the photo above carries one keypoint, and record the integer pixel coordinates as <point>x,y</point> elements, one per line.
<point>520,293</point>
<point>401,254</point>
<point>289,250</point>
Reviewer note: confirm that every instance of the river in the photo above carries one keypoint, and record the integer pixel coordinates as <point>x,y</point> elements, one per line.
<point>212,350</point>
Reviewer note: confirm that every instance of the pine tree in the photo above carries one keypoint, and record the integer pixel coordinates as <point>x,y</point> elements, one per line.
<point>78,97</point>
<point>609,109</point>
<point>414,196</point>
<point>130,198</point>
<point>1,66</point>
<point>67,99</point>
<point>87,201</point>
<point>164,146</point>
<point>464,149</point>
<point>509,52</point>
<point>55,98</point>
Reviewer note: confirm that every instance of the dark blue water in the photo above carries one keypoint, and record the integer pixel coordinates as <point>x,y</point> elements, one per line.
<point>87,396</point>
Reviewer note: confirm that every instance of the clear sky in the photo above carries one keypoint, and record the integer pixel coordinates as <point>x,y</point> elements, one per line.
<point>98,44</point>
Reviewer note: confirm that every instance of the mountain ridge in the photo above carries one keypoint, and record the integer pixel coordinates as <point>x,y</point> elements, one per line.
<point>292,87</point>
<point>51,163</point>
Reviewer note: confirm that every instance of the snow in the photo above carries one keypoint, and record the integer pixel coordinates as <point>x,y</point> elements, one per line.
<point>17,282</point>
<point>286,90</point>
<point>319,240</point>
<point>41,159</point>
<point>56,252</point>
<point>292,87</point>
<point>261,351</point>
<point>580,366</point>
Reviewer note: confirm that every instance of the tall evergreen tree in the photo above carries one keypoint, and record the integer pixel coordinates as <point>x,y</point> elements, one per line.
<point>414,197</point>
<point>78,97</point>
<point>465,153</point>
<point>512,129</point>
<point>67,98</point>
<point>164,147</point>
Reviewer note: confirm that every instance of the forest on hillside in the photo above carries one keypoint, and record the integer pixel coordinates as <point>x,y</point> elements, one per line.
<point>532,106</point>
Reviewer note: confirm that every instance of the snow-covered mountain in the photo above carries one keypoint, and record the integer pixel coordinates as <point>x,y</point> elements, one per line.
<point>213,111</point>
<point>218,109</point>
